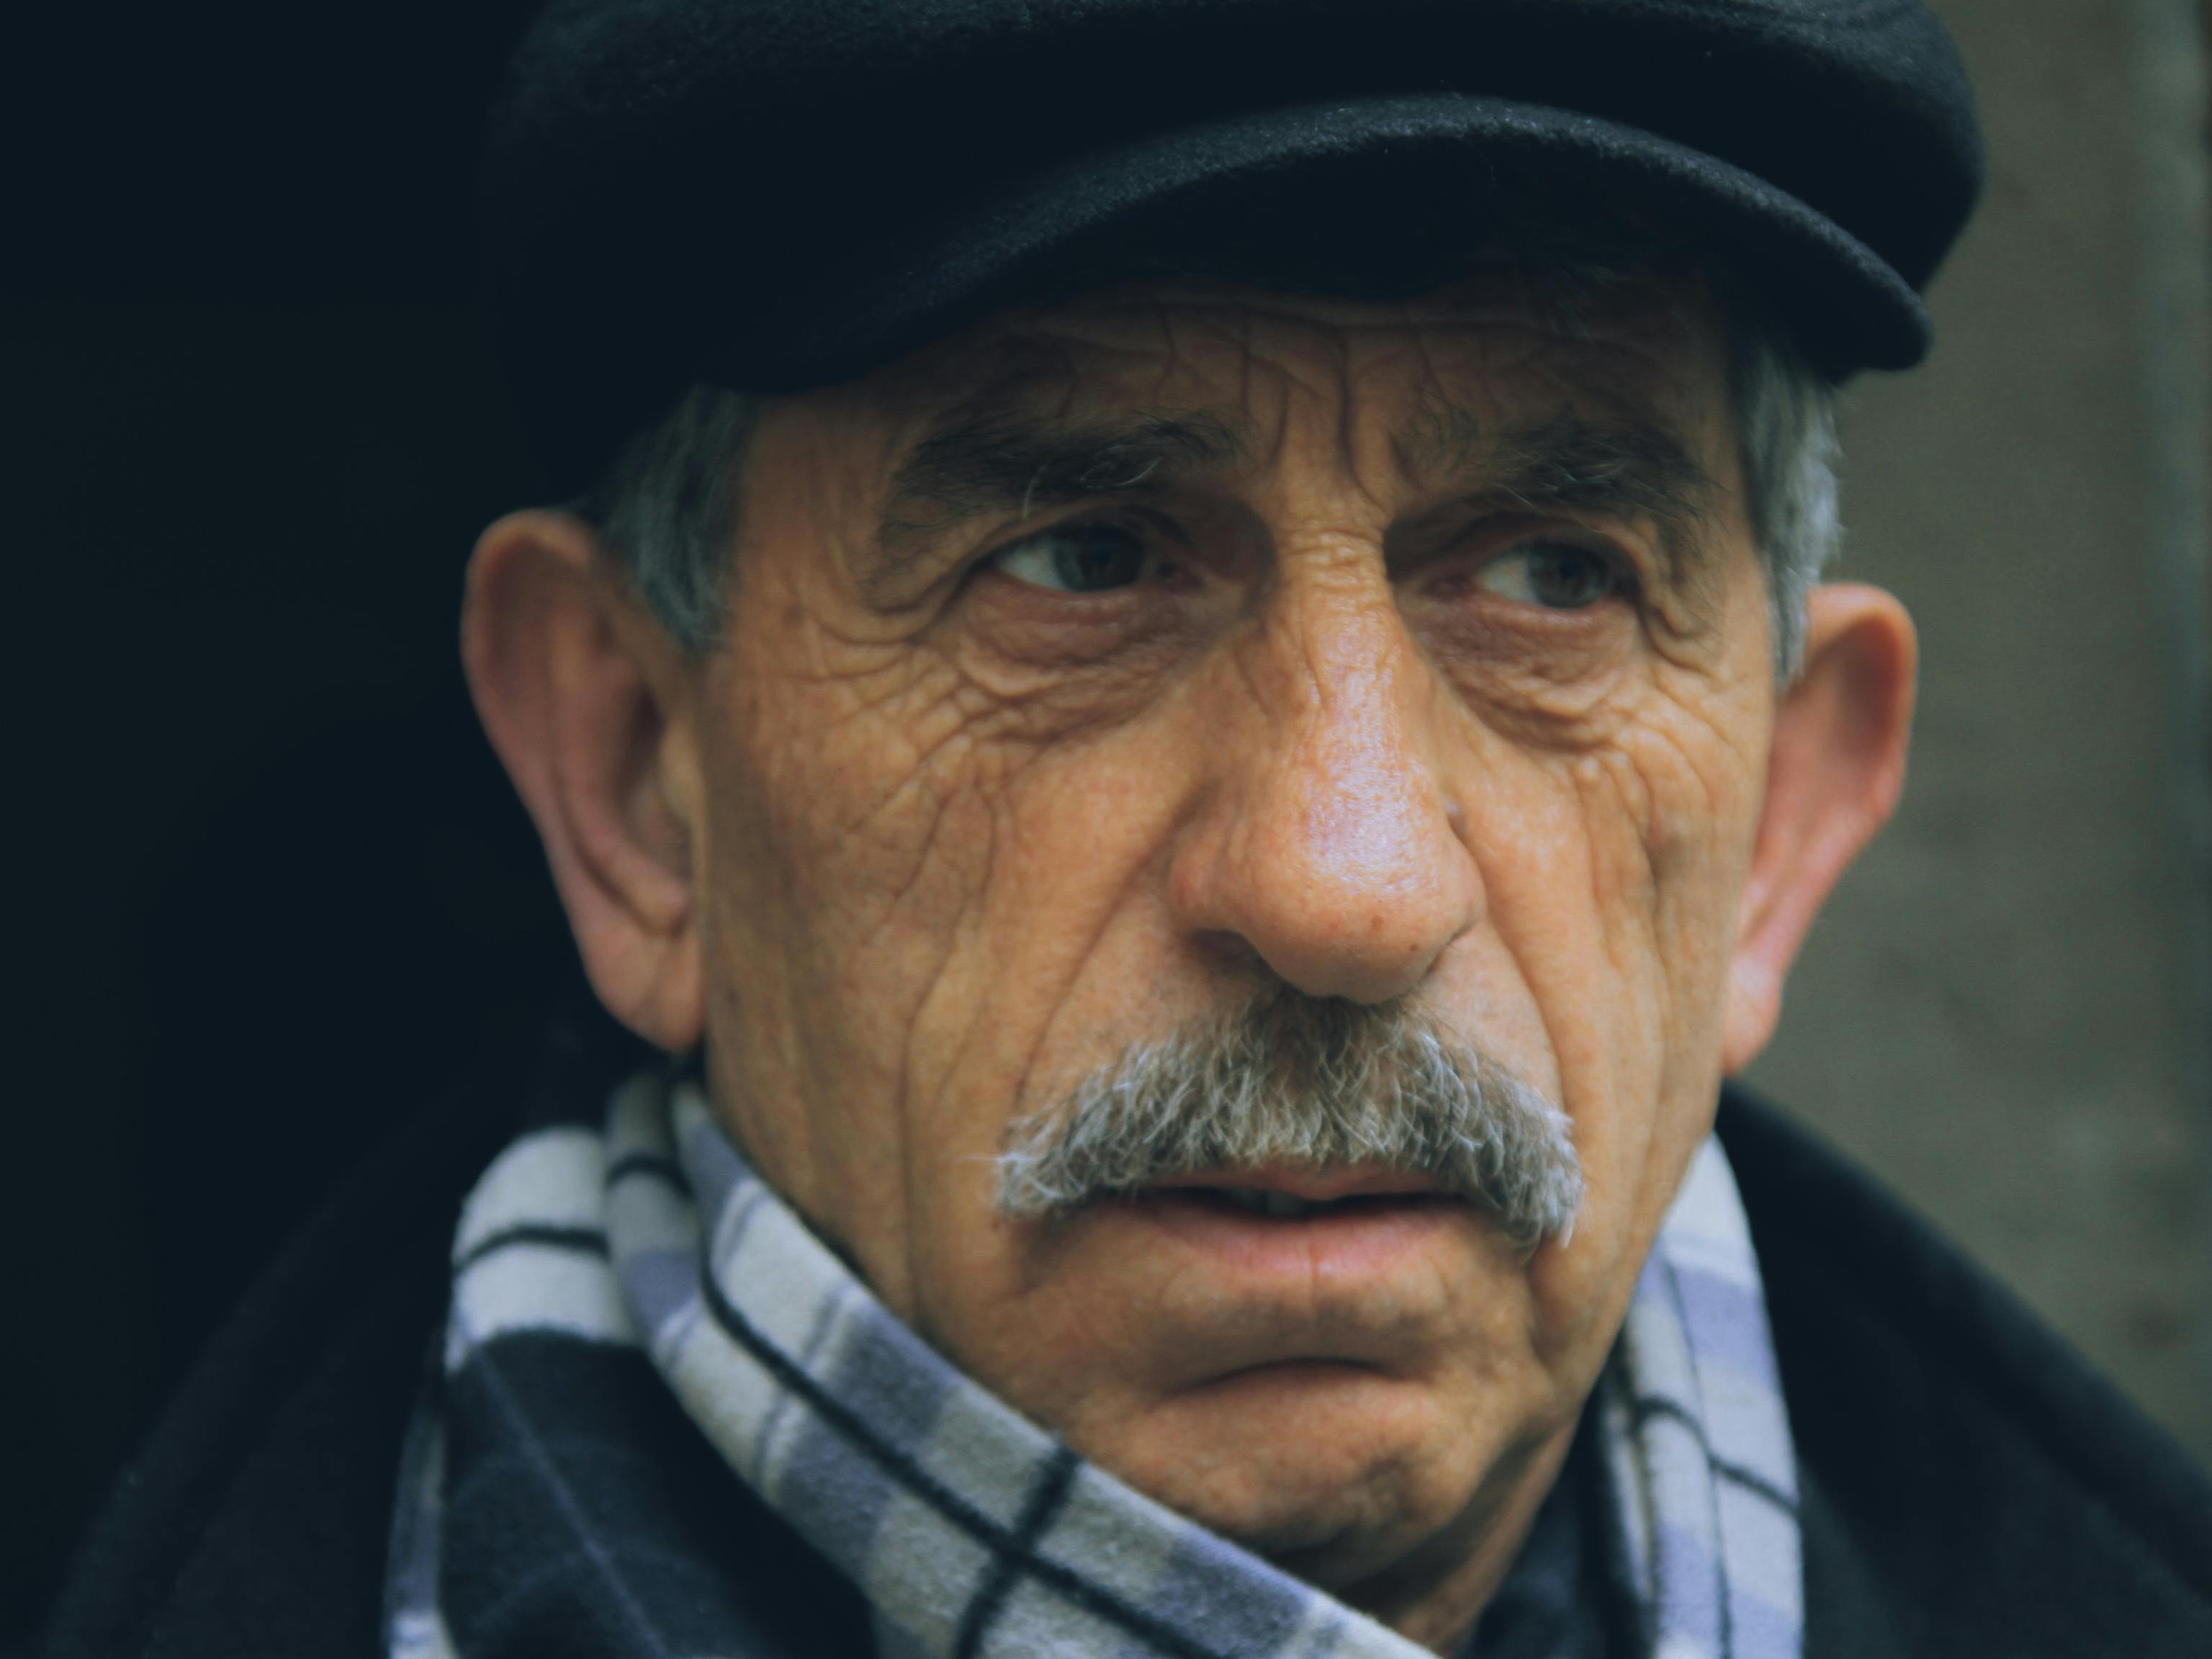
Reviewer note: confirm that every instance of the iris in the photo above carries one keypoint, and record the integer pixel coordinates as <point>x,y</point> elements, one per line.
<point>1076,558</point>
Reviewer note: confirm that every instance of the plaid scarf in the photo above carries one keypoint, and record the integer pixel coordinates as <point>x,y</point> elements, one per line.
<point>619,1293</point>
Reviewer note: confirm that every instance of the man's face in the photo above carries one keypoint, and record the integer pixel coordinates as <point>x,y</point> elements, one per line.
<point>1114,665</point>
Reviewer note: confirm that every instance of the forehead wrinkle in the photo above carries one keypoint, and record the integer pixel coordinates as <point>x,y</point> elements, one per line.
<point>1346,354</point>
<point>1438,442</point>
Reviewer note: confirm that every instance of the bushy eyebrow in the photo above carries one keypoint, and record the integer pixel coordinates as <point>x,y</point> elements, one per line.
<point>1634,470</point>
<point>997,462</point>
<point>992,461</point>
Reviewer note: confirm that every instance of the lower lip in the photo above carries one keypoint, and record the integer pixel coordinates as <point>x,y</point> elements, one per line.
<point>1366,1236</point>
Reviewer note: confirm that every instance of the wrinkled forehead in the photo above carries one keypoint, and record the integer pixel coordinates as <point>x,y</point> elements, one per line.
<point>1498,349</point>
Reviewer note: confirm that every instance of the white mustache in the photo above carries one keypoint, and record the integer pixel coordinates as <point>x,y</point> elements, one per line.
<point>1310,1082</point>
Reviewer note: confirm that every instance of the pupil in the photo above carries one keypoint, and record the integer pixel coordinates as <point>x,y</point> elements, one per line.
<point>1570,578</point>
<point>1088,561</point>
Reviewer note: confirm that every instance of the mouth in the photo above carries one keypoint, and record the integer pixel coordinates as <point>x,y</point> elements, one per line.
<point>1278,1197</point>
<point>1285,1207</point>
<point>1269,1234</point>
<point>1294,1194</point>
<point>1265,1268</point>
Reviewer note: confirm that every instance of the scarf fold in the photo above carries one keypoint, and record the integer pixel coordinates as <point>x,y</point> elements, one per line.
<point>621,1293</point>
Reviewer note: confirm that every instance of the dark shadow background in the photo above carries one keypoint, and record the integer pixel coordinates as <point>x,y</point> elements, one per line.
<point>268,884</point>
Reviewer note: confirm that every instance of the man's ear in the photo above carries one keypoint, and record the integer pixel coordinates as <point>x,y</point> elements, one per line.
<point>1833,778</point>
<point>582,696</point>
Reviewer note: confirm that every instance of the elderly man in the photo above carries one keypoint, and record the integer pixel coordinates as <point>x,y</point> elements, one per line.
<point>1187,687</point>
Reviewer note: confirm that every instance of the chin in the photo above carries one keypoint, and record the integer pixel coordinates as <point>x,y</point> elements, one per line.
<point>1322,1465</point>
<point>1323,1536</point>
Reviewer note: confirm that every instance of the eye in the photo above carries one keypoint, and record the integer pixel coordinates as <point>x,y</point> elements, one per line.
<point>1076,558</point>
<point>1557,575</point>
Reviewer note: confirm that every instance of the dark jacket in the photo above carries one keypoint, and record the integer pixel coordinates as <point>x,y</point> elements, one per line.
<point>1970,1487</point>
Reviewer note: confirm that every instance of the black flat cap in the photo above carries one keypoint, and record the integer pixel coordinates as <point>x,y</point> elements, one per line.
<point>778,194</point>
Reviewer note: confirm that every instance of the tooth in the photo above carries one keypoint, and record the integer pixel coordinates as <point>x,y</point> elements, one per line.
<point>1282,1205</point>
<point>1246,1198</point>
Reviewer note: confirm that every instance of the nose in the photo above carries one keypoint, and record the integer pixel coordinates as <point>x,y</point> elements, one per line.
<point>1327,843</point>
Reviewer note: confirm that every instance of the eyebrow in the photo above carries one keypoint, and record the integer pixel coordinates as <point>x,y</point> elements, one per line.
<point>1634,469</point>
<point>1631,465</point>
<point>996,462</point>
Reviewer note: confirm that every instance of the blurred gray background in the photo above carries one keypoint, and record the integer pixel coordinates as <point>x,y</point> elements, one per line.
<point>2006,1010</point>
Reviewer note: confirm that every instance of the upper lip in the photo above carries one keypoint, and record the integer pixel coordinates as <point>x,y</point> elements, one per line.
<point>1314,1186</point>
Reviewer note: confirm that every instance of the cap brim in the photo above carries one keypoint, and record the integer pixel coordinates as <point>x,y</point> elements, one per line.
<point>1380,196</point>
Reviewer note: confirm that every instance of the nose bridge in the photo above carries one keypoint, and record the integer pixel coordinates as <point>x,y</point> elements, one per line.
<point>1348,679</point>
<point>1330,848</point>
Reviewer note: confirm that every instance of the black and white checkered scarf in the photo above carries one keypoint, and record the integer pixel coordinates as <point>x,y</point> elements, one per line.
<point>621,1291</point>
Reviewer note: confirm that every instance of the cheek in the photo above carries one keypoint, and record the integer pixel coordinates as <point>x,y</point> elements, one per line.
<point>853,821</point>
<point>1611,866</point>
<point>871,781</point>
<point>910,870</point>
<point>1671,807</point>
<point>1614,874</point>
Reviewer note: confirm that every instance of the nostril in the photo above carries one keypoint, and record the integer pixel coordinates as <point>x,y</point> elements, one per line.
<point>1228,950</point>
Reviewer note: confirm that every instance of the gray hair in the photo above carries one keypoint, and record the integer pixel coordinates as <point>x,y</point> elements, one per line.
<point>668,508</point>
<point>1303,1082</point>
<point>1785,434</point>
